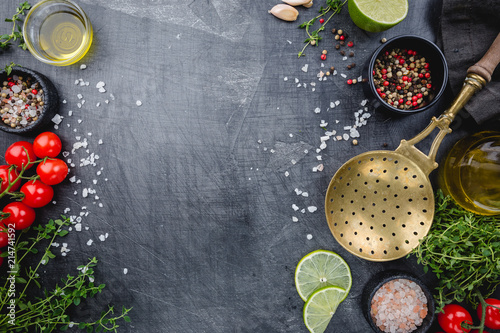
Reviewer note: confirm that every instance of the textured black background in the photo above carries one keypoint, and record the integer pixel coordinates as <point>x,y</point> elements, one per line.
<point>196,204</point>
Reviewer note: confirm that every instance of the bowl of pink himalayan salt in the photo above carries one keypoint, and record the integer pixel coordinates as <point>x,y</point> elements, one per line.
<point>397,302</point>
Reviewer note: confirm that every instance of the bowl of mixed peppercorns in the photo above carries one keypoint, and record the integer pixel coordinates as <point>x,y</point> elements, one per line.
<point>28,101</point>
<point>406,74</point>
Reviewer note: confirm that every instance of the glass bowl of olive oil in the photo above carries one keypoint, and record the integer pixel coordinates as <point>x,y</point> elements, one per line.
<point>57,32</point>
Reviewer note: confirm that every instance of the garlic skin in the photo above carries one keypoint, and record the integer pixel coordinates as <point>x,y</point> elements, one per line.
<point>284,12</point>
<point>309,4</point>
<point>296,2</point>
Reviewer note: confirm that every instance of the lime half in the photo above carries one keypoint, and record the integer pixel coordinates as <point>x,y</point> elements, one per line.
<point>377,15</point>
<point>319,269</point>
<point>321,306</point>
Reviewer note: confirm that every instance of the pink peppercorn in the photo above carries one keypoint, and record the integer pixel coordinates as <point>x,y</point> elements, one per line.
<point>349,81</point>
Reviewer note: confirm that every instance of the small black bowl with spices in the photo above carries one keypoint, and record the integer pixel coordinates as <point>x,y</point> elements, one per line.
<point>28,101</point>
<point>405,75</point>
<point>397,301</point>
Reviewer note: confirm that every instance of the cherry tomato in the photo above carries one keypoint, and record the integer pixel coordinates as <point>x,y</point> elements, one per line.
<point>4,236</point>
<point>492,319</point>
<point>47,144</point>
<point>16,154</point>
<point>21,215</point>
<point>5,175</point>
<point>36,193</point>
<point>52,171</point>
<point>452,318</point>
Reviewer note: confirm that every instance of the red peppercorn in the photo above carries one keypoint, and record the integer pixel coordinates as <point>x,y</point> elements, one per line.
<point>350,44</point>
<point>427,75</point>
<point>421,75</point>
<point>342,37</point>
<point>384,76</point>
<point>373,72</point>
<point>401,101</point>
<point>323,57</point>
<point>11,84</point>
<point>321,20</point>
<point>404,78</point>
<point>386,83</point>
<point>379,90</point>
<point>383,95</point>
<point>410,52</point>
<point>426,65</point>
<point>414,98</point>
<point>429,86</point>
<point>34,91</point>
<point>408,102</point>
<point>401,61</point>
<point>398,87</point>
<point>349,81</point>
<point>384,71</point>
<point>414,103</point>
<point>420,95</point>
<point>386,53</point>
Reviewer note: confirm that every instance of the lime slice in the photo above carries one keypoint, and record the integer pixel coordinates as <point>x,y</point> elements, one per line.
<point>321,306</point>
<point>319,269</point>
<point>377,15</point>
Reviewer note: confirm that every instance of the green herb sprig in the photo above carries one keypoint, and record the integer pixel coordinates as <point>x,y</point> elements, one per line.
<point>16,33</point>
<point>333,7</point>
<point>462,249</point>
<point>48,313</point>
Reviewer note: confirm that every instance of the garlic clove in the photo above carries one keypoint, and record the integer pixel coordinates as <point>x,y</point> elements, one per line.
<point>285,12</point>
<point>309,4</point>
<point>296,2</point>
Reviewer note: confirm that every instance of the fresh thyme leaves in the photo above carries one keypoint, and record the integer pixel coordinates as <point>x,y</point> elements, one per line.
<point>17,32</point>
<point>462,250</point>
<point>8,68</point>
<point>333,7</point>
<point>50,312</point>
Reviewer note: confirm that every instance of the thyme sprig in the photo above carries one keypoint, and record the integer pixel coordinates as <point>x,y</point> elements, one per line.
<point>462,249</point>
<point>16,33</point>
<point>333,7</point>
<point>50,312</point>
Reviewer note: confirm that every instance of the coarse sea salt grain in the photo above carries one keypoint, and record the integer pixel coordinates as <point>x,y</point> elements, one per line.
<point>125,271</point>
<point>312,209</point>
<point>295,219</point>
<point>138,103</point>
<point>309,236</point>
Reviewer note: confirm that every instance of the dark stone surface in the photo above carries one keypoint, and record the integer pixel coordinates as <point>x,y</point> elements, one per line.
<point>197,204</point>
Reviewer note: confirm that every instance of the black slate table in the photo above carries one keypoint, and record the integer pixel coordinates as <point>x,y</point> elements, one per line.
<point>191,196</point>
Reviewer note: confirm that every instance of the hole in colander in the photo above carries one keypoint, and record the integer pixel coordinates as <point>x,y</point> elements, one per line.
<point>363,208</point>
<point>425,199</point>
<point>385,199</point>
<point>424,210</point>
<point>415,233</point>
<point>406,187</point>
<point>371,170</point>
<point>396,178</point>
<point>385,171</point>
<point>360,223</point>
<point>359,162</point>
<point>366,183</point>
<point>331,200</point>
<point>421,186</point>
<point>346,222</point>
<point>364,196</point>
<point>355,190</point>
<point>409,213</point>
<point>358,174</point>
<point>393,218</point>
<point>340,178</point>
<point>397,248</point>
<point>355,233</point>
<point>384,159</point>
<point>396,162</point>
<point>383,225</point>
<point>349,168</point>
<point>371,227</point>
<point>422,223</point>
<point>383,211</point>
<point>335,224</point>
<point>407,241</point>
<point>395,195</point>
<point>353,213</point>
<point>373,204</point>
<point>331,212</point>
<point>367,238</point>
<point>371,159</point>
<point>375,192</point>
<point>372,216</point>
<point>410,200</point>
<point>350,243</point>
<point>405,169</point>
<point>385,251</point>
<point>342,196</point>
<point>347,184</point>
<point>372,252</point>
<point>414,176</point>
<point>397,206</point>
<point>377,181</point>
<point>388,186</point>
<point>352,201</point>
<point>403,225</point>
<point>394,234</point>
<point>341,209</point>
<point>341,235</point>
<point>381,239</point>
<point>360,250</point>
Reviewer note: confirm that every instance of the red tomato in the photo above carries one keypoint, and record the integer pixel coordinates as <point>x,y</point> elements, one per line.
<point>36,193</point>
<point>492,319</point>
<point>452,318</point>
<point>5,176</point>
<point>52,171</point>
<point>16,154</point>
<point>47,144</point>
<point>4,236</point>
<point>21,215</point>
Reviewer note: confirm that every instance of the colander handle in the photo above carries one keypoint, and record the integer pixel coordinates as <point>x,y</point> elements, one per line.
<point>478,76</point>
<point>486,66</point>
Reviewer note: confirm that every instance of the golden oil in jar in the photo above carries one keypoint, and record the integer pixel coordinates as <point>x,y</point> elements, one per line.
<point>470,173</point>
<point>62,35</point>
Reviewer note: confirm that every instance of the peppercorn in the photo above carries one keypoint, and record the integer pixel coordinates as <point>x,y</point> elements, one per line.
<point>349,67</point>
<point>349,81</point>
<point>340,32</point>
<point>342,43</point>
<point>321,20</point>
<point>313,42</point>
<point>332,69</point>
<point>334,30</point>
<point>383,40</point>
<point>351,54</point>
<point>350,44</point>
<point>323,56</point>
<point>324,52</point>
<point>338,47</point>
<point>342,53</point>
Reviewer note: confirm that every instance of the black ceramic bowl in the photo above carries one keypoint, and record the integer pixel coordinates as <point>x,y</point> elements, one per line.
<point>50,100</point>
<point>378,281</point>
<point>433,56</point>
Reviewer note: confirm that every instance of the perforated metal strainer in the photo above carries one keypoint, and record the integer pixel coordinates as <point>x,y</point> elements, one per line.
<point>381,203</point>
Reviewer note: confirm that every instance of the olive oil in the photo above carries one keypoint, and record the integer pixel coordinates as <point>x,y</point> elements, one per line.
<point>62,36</point>
<point>470,173</point>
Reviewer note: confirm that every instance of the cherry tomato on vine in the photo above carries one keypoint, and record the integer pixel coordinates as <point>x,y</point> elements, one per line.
<point>452,318</point>
<point>36,193</point>
<point>492,319</point>
<point>16,154</point>
<point>21,215</point>
<point>4,236</point>
<point>52,171</point>
<point>47,144</point>
<point>5,175</point>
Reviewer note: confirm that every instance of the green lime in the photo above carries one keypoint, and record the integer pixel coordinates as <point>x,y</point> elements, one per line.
<point>319,269</point>
<point>377,15</point>
<point>321,306</point>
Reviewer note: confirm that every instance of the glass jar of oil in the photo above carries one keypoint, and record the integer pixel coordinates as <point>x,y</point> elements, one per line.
<point>57,32</point>
<point>470,173</point>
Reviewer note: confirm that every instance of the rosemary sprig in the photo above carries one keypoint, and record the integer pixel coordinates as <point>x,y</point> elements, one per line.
<point>462,249</point>
<point>333,7</point>
<point>17,31</point>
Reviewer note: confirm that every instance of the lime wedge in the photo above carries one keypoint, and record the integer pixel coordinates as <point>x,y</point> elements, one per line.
<point>377,15</point>
<point>321,306</point>
<point>319,269</point>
